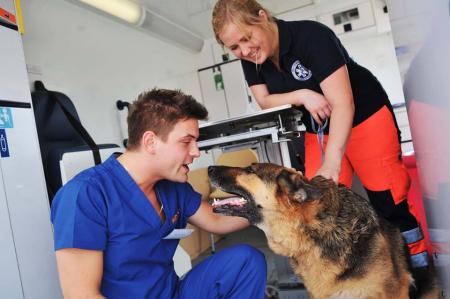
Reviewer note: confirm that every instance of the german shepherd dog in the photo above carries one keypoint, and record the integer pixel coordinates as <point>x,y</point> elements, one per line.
<point>334,239</point>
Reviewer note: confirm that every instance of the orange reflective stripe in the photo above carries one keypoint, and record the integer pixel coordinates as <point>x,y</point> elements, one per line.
<point>417,247</point>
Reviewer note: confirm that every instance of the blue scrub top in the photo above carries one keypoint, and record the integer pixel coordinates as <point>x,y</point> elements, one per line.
<point>102,208</point>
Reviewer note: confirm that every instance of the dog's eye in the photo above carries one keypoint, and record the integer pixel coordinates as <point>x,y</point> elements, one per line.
<point>249,169</point>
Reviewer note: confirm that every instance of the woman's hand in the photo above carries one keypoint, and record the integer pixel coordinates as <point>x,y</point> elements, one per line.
<point>330,171</point>
<point>315,103</point>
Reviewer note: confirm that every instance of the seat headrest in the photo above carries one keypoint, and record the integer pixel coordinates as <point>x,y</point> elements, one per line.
<point>51,122</point>
<point>199,180</point>
<point>39,86</point>
<point>240,158</point>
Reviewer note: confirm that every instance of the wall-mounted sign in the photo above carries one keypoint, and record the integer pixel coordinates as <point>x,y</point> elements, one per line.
<point>6,120</point>
<point>7,16</point>
<point>4,150</point>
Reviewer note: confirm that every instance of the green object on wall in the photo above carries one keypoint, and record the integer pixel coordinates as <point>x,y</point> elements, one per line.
<point>218,81</point>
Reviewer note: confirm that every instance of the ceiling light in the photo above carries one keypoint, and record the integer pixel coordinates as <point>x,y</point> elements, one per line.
<point>142,18</point>
<point>167,30</point>
<point>126,10</point>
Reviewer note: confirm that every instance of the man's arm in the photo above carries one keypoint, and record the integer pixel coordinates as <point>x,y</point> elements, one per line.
<point>212,222</point>
<point>80,272</point>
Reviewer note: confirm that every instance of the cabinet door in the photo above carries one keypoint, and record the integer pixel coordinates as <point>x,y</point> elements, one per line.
<point>9,274</point>
<point>213,95</point>
<point>13,71</point>
<point>235,88</point>
<point>27,228</point>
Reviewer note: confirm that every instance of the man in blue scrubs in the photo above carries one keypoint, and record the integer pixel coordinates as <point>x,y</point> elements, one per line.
<point>110,220</point>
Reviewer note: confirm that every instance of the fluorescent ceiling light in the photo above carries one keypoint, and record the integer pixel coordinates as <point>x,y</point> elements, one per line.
<point>126,10</point>
<point>142,18</point>
<point>169,31</point>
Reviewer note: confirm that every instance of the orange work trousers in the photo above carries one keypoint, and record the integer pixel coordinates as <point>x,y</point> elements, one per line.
<point>373,152</point>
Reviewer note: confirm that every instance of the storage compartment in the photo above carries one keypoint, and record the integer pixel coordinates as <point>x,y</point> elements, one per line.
<point>225,92</point>
<point>353,18</point>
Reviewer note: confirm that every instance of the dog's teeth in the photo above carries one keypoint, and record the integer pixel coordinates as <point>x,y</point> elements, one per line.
<point>240,199</point>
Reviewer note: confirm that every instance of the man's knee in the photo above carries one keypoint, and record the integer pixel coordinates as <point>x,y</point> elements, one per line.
<point>248,256</point>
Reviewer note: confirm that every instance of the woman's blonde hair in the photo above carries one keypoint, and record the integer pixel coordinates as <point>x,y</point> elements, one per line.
<point>239,12</point>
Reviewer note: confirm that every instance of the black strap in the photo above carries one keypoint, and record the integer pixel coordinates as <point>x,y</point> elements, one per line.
<point>74,122</point>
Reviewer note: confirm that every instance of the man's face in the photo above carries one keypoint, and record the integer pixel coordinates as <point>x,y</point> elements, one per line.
<point>178,151</point>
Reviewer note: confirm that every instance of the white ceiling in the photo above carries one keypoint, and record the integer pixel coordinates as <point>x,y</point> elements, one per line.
<point>195,15</point>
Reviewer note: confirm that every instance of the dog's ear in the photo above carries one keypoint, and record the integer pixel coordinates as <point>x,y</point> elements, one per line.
<point>297,188</point>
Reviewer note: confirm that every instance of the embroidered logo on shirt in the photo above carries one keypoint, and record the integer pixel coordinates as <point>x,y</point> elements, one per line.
<point>176,216</point>
<point>300,72</point>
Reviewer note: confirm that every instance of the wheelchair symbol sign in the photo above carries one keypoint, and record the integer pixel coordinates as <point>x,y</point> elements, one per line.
<point>6,120</point>
<point>4,150</point>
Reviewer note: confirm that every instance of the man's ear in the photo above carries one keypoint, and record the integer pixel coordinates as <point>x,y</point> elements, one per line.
<point>148,141</point>
<point>296,186</point>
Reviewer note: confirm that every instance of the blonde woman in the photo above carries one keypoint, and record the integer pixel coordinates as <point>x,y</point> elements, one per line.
<point>349,120</point>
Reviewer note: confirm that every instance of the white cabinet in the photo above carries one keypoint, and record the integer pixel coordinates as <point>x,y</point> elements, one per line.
<point>225,92</point>
<point>27,259</point>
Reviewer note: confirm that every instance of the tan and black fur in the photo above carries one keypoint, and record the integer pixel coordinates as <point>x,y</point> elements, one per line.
<point>335,241</point>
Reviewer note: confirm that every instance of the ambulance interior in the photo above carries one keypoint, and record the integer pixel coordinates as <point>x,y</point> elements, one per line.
<point>97,60</point>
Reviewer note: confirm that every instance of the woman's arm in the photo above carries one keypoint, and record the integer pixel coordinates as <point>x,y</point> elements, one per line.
<point>338,92</point>
<point>336,103</point>
<point>314,102</point>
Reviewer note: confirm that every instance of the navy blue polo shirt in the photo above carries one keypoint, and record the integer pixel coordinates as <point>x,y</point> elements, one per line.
<point>103,209</point>
<point>309,53</point>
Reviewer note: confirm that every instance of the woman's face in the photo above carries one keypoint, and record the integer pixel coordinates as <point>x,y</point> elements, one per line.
<point>254,44</point>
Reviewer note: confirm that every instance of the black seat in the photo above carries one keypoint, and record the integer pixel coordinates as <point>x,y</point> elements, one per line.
<point>57,133</point>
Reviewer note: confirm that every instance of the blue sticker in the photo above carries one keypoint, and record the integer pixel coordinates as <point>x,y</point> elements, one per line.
<point>4,150</point>
<point>6,120</point>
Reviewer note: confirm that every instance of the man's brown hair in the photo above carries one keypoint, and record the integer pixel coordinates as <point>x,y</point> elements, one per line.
<point>158,110</point>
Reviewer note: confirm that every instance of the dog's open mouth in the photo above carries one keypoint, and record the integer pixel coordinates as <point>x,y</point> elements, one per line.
<point>241,202</point>
<point>237,206</point>
<point>230,201</point>
<point>232,206</point>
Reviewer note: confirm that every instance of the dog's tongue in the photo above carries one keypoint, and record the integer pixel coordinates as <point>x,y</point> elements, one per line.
<point>234,201</point>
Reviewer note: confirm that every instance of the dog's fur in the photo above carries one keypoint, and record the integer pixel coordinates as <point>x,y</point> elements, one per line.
<point>335,241</point>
